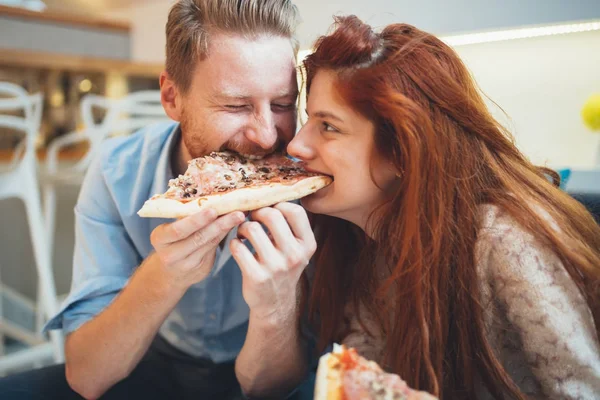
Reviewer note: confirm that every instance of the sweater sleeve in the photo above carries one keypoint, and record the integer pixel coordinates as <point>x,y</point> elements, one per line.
<point>546,310</point>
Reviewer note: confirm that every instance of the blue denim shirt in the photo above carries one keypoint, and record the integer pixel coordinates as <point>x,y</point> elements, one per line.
<point>111,241</point>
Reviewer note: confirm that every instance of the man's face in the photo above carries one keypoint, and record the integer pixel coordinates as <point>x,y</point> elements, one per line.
<point>242,97</point>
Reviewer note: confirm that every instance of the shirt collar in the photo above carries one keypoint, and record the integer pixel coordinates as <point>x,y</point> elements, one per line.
<point>164,172</point>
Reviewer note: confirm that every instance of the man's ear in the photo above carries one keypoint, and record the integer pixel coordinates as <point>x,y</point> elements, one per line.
<point>170,97</point>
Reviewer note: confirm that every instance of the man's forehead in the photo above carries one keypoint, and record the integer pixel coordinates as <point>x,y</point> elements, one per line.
<point>238,67</point>
<point>262,54</point>
<point>223,40</point>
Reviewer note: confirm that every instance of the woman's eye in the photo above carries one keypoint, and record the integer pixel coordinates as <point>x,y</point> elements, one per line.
<point>235,106</point>
<point>329,128</point>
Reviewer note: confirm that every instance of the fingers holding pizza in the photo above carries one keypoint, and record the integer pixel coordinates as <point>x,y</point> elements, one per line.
<point>290,230</point>
<point>187,247</point>
<point>271,275</point>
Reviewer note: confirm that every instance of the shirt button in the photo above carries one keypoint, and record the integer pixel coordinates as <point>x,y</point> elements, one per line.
<point>212,316</point>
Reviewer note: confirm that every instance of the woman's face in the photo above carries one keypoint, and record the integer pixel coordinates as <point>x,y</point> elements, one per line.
<point>338,141</point>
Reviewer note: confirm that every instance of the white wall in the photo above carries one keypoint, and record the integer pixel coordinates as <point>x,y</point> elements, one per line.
<point>542,84</point>
<point>147,29</point>
<point>443,16</point>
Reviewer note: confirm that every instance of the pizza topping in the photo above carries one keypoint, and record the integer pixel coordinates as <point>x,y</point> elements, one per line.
<point>349,359</point>
<point>366,384</point>
<point>365,380</point>
<point>222,171</point>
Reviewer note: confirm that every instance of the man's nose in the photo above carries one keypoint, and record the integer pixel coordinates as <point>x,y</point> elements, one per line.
<point>263,130</point>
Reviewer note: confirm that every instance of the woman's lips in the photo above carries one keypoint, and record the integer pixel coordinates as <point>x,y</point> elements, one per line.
<point>314,171</point>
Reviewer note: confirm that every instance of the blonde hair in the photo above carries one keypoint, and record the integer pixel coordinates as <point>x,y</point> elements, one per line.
<point>191,23</point>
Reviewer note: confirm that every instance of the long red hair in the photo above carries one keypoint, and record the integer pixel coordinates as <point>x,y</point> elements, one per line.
<point>433,125</point>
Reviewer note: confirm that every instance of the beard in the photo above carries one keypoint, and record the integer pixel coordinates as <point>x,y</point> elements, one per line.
<point>195,138</point>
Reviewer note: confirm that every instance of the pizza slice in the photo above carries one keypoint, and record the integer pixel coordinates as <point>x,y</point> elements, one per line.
<point>344,375</point>
<point>228,182</point>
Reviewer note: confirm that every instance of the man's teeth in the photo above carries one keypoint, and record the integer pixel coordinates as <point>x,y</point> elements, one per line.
<point>252,156</point>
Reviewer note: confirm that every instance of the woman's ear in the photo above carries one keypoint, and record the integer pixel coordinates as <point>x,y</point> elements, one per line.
<point>395,170</point>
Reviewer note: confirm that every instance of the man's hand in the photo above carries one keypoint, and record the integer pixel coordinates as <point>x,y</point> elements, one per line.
<point>107,348</point>
<point>186,248</point>
<point>271,277</point>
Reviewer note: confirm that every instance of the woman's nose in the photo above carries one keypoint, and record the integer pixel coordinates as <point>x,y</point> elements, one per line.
<point>300,146</point>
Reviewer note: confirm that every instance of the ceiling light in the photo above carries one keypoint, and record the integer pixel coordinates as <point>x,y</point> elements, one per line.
<point>507,34</point>
<point>520,33</point>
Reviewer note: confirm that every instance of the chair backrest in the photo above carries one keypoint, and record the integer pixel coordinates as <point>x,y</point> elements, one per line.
<point>124,115</point>
<point>591,201</point>
<point>15,98</point>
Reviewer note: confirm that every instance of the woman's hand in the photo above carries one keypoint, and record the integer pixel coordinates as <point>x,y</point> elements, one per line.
<point>270,277</point>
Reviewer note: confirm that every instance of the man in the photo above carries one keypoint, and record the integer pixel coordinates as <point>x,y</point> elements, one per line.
<point>156,307</point>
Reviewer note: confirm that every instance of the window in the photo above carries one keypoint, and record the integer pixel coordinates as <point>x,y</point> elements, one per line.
<point>33,5</point>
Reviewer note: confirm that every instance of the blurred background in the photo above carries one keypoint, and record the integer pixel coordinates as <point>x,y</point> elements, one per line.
<point>538,60</point>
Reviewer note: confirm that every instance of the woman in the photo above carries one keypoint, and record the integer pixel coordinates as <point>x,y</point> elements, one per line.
<point>443,253</point>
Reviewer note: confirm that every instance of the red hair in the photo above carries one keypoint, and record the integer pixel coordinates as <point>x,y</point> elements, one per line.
<point>433,125</point>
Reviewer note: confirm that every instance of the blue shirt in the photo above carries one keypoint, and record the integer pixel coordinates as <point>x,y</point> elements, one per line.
<point>111,241</point>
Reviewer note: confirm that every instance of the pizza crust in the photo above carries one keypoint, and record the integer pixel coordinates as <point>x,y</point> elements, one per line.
<point>328,384</point>
<point>245,199</point>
